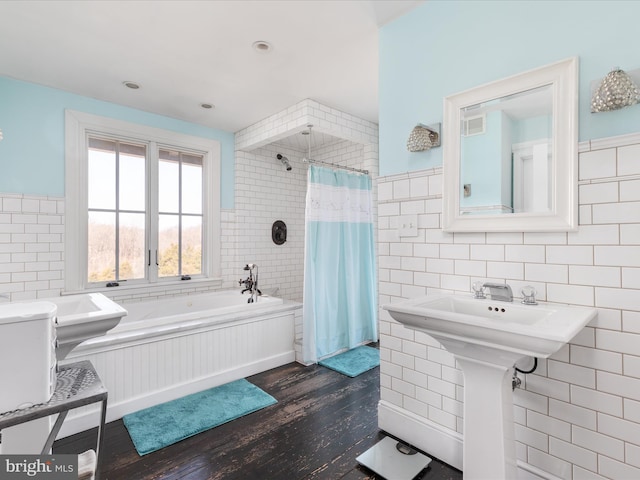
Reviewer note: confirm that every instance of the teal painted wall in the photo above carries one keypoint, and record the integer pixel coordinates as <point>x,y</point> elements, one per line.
<point>482,165</point>
<point>530,129</point>
<point>32,152</point>
<point>444,47</point>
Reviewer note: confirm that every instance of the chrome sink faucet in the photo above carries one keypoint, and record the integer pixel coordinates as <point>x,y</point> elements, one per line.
<point>529,295</point>
<point>499,291</point>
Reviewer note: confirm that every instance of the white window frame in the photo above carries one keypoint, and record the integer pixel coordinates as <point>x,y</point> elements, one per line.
<point>78,125</point>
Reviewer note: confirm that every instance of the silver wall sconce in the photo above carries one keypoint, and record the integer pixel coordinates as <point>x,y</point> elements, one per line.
<point>424,137</point>
<point>617,90</point>
<point>0,134</point>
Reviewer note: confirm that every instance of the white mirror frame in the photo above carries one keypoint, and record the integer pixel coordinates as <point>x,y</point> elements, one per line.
<point>563,76</point>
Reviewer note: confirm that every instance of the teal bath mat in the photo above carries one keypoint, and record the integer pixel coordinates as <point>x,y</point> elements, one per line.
<point>353,362</point>
<point>161,425</point>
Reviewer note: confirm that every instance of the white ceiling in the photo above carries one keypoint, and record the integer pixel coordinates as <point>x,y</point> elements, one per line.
<point>303,143</point>
<point>184,53</point>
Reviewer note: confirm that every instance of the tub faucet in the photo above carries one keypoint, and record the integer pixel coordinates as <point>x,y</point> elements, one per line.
<point>6,297</point>
<point>499,291</point>
<point>251,283</point>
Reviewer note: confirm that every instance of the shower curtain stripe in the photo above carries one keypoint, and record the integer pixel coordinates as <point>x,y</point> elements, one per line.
<point>339,277</point>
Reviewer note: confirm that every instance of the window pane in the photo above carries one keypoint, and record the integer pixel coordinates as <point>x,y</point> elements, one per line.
<point>102,174</point>
<point>168,178</point>
<point>132,246</point>
<point>168,241</point>
<point>191,245</point>
<point>102,246</point>
<point>191,184</point>
<point>132,177</point>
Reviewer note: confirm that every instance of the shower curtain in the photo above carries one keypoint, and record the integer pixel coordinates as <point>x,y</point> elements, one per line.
<point>339,295</point>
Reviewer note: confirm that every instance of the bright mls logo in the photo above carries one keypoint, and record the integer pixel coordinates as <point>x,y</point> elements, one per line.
<point>45,467</point>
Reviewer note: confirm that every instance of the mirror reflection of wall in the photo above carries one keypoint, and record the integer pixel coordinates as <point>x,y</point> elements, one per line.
<point>505,151</point>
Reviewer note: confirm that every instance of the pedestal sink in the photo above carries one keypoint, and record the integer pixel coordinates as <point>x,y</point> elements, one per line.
<point>487,337</point>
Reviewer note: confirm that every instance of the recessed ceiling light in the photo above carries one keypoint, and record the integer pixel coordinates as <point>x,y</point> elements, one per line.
<point>131,85</point>
<point>207,105</point>
<point>262,47</point>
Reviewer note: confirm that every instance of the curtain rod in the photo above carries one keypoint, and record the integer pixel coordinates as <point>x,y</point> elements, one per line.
<point>333,165</point>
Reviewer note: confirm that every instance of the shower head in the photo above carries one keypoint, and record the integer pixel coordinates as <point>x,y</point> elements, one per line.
<point>285,161</point>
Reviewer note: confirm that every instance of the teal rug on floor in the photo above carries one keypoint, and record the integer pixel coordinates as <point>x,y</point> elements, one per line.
<point>161,425</point>
<point>353,362</point>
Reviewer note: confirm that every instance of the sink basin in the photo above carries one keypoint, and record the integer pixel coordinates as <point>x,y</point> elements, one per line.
<point>487,337</point>
<point>524,330</point>
<point>84,316</point>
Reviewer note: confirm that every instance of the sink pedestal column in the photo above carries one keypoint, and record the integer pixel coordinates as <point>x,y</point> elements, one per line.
<point>489,449</point>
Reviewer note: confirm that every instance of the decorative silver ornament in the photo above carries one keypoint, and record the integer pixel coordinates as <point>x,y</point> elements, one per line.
<point>421,139</point>
<point>616,91</point>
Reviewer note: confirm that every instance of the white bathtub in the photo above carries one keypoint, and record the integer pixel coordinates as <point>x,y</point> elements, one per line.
<point>164,349</point>
<point>177,315</point>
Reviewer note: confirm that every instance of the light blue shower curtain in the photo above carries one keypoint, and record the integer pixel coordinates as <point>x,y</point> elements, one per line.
<point>339,272</point>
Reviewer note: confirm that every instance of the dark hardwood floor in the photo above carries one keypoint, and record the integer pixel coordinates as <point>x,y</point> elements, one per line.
<point>323,420</point>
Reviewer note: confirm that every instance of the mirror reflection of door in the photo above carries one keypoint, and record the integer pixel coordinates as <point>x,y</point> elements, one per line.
<point>532,177</point>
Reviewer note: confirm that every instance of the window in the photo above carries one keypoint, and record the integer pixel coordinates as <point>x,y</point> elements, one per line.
<point>116,248</point>
<point>142,205</point>
<point>180,214</point>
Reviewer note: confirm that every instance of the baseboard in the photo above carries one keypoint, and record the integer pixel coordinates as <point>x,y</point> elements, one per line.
<point>90,417</point>
<point>422,433</point>
<point>438,441</point>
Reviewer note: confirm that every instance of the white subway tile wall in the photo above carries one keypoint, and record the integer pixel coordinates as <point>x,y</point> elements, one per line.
<point>31,246</point>
<point>578,415</point>
<point>296,118</point>
<point>266,192</point>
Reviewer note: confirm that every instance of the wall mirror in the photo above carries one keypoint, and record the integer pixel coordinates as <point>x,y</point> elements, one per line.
<point>510,153</point>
